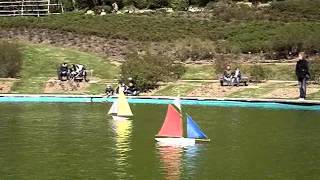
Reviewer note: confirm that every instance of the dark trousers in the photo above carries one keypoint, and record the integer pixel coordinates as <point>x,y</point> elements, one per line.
<point>303,87</point>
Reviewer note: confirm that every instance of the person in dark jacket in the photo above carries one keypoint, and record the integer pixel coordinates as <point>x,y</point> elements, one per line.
<point>63,71</point>
<point>109,90</point>
<point>303,74</point>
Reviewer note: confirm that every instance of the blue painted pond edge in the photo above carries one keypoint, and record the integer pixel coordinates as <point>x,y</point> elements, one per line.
<point>198,101</point>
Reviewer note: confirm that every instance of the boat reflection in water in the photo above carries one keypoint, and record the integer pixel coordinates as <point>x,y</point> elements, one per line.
<point>171,161</point>
<point>176,159</point>
<point>122,130</point>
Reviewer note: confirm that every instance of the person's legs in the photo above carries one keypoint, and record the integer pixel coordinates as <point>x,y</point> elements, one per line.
<point>225,79</point>
<point>232,81</point>
<point>303,87</point>
<point>237,80</point>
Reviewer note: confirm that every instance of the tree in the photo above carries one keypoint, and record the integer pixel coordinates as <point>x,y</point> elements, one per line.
<point>148,69</point>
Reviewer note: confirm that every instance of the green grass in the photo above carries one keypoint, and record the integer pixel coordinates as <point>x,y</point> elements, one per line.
<point>285,72</point>
<point>199,72</point>
<point>315,95</point>
<point>281,72</point>
<point>255,92</point>
<point>40,63</point>
<point>177,89</point>
<point>247,35</point>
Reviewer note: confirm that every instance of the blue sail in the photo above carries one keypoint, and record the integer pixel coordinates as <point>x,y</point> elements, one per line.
<point>193,130</point>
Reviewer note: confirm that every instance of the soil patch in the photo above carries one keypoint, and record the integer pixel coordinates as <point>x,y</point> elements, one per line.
<point>56,86</point>
<point>114,48</point>
<point>5,86</point>
<point>290,92</point>
<point>215,90</point>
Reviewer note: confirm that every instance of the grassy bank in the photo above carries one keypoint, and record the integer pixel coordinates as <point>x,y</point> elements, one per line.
<point>245,35</point>
<point>40,64</point>
<point>283,72</point>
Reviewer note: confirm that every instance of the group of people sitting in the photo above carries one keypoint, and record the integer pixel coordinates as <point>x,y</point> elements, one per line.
<point>129,90</point>
<point>231,77</point>
<point>76,72</point>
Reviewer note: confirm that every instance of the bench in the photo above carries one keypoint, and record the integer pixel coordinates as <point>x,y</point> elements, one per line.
<point>243,81</point>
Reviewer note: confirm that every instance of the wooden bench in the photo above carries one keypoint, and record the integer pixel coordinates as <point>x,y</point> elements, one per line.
<point>243,81</point>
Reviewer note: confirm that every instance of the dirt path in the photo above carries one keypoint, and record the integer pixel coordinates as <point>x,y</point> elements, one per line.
<point>291,91</point>
<point>5,86</point>
<point>215,90</point>
<point>56,86</point>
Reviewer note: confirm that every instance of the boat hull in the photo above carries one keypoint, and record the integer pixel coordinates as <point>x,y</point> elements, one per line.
<point>176,141</point>
<point>119,118</point>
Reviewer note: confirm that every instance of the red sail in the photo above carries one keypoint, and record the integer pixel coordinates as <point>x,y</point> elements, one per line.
<point>172,125</point>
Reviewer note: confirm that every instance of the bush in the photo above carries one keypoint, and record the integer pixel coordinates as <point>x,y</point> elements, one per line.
<point>194,49</point>
<point>179,5</point>
<point>68,5</point>
<point>140,4</point>
<point>200,3</point>
<point>302,8</point>
<point>10,59</point>
<point>149,69</point>
<point>258,73</point>
<point>98,9</point>
<point>315,70</point>
<point>222,61</point>
<point>154,4</point>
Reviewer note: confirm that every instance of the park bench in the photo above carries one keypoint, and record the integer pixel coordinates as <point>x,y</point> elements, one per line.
<point>243,81</point>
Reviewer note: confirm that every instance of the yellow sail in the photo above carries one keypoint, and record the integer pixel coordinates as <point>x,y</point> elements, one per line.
<point>123,105</point>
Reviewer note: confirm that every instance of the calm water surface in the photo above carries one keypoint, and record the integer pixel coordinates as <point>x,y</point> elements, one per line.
<point>80,141</point>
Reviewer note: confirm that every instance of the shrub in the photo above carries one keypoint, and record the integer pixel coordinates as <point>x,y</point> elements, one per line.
<point>68,5</point>
<point>315,70</point>
<point>154,4</point>
<point>221,62</point>
<point>98,9</point>
<point>136,3</point>
<point>10,59</point>
<point>179,5</point>
<point>302,8</point>
<point>141,4</point>
<point>199,2</point>
<point>258,73</point>
<point>149,69</point>
<point>82,4</point>
<point>194,49</point>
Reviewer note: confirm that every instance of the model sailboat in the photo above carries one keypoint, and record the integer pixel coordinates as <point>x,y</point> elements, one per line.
<point>171,132</point>
<point>120,108</point>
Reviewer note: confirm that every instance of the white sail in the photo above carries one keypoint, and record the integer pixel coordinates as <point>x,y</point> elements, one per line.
<point>177,103</point>
<point>114,108</point>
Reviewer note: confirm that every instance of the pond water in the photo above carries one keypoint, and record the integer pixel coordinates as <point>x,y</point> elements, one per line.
<point>80,141</point>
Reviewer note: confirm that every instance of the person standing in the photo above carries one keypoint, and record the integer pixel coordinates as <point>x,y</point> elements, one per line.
<point>303,74</point>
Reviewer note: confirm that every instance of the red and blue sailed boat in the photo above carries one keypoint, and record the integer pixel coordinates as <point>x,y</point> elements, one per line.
<point>171,132</point>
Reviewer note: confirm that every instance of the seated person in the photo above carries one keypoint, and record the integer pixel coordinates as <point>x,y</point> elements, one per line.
<point>227,75</point>
<point>132,90</point>
<point>115,7</point>
<point>63,71</point>
<point>78,72</point>
<point>109,90</point>
<point>121,87</point>
<point>236,76</point>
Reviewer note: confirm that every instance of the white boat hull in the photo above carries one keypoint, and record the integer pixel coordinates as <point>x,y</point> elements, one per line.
<point>176,141</point>
<point>120,118</point>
